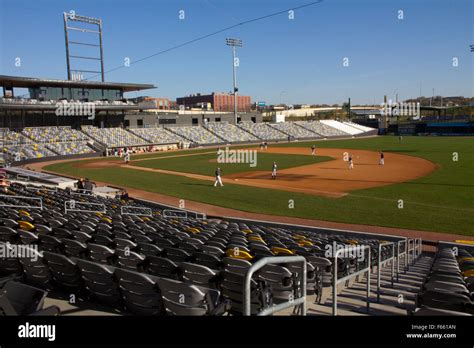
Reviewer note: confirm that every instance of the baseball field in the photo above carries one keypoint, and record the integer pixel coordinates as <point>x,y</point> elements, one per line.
<point>426,183</point>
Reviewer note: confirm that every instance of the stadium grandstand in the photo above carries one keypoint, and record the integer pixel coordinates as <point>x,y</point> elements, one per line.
<point>135,262</point>
<point>94,115</point>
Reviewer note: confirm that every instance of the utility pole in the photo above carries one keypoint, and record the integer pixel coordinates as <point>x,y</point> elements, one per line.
<point>234,43</point>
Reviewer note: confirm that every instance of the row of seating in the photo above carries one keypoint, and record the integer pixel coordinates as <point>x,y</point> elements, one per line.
<point>294,130</point>
<point>196,134</point>
<point>321,128</point>
<point>342,126</point>
<point>28,151</point>
<point>263,131</point>
<point>358,126</point>
<point>71,148</point>
<point>230,132</point>
<point>39,142</point>
<point>448,289</point>
<point>113,137</point>
<point>157,135</point>
<point>53,134</point>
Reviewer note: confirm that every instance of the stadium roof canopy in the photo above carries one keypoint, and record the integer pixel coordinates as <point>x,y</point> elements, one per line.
<point>31,82</point>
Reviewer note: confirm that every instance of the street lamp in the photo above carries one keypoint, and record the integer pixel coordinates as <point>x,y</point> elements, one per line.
<point>234,43</point>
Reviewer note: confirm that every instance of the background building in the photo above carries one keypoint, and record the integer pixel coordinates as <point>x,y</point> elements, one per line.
<point>156,103</point>
<point>219,102</point>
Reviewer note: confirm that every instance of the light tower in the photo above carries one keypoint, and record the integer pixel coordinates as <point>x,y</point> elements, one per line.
<point>83,23</point>
<point>234,43</point>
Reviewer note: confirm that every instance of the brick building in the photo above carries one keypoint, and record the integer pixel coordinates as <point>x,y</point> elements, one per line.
<point>219,102</point>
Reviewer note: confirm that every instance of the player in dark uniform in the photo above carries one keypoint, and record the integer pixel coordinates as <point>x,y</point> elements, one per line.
<point>274,171</point>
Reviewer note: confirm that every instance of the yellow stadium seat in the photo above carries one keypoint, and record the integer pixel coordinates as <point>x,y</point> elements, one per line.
<point>238,254</point>
<point>256,238</point>
<point>460,241</point>
<point>23,212</point>
<point>464,259</point>
<point>468,273</point>
<point>106,219</point>
<point>282,251</point>
<point>25,225</point>
<point>193,230</point>
<point>304,243</point>
<point>98,214</point>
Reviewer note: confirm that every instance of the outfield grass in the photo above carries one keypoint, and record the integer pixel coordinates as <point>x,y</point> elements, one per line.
<point>206,164</point>
<point>442,201</point>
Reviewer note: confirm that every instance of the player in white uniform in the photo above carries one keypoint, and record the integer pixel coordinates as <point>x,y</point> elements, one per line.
<point>351,163</point>
<point>218,178</point>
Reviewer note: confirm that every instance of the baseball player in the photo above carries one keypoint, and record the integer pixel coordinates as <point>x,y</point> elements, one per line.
<point>351,163</point>
<point>218,178</point>
<point>382,160</point>
<point>127,157</point>
<point>313,150</point>
<point>274,171</point>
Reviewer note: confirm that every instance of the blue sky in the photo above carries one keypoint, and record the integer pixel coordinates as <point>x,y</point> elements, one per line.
<point>283,60</point>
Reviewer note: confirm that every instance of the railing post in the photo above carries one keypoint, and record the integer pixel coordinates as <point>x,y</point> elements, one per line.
<point>369,260</point>
<point>334,284</point>
<point>335,280</point>
<point>393,262</point>
<point>398,260</point>
<point>378,272</point>
<point>379,265</point>
<point>268,261</point>
<point>407,254</point>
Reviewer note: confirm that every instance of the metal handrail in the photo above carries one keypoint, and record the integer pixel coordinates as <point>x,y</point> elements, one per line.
<point>381,263</point>
<point>273,260</point>
<point>400,254</point>
<point>337,281</point>
<point>72,207</point>
<point>148,213</point>
<point>419,247</point>
<point>40,199</point>
<point>407,256</point>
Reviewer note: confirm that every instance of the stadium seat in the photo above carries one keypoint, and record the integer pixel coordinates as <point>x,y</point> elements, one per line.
<point>21,299</point>
<point>199,275</point>
<point>187,299</point>
<point>140,293</point>
<point>65,272</point>
<point>100,282</point>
